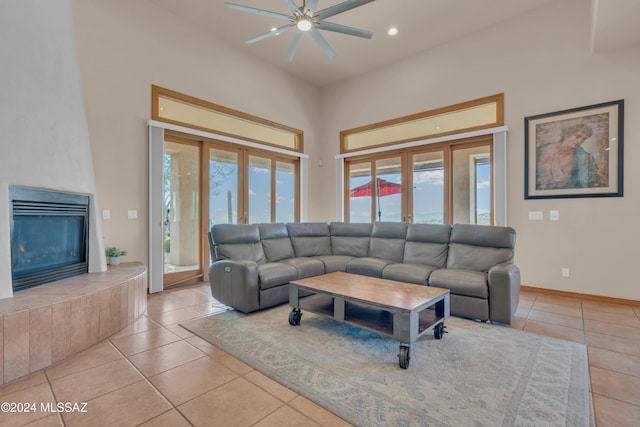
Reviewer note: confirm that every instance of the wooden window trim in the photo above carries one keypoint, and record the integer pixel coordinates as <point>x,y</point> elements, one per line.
<point>157,92</point>
<point>498,99</point>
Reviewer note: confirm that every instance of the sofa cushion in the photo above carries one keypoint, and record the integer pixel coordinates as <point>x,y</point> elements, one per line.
<point>276,242</point>
<point>275,274</point>
<point>476,258</point>
<point>351,239</point>
<point>387,240</point>
<point>237,242</point>
<point>479,248</point>
<point>334,262</point>
<point>410,273</point>
<point>492,236</point>
<point>310,238</point>
<point>368,266</point>
<point>427,244</point>
<point>461,282</point>
<point>307,267</point>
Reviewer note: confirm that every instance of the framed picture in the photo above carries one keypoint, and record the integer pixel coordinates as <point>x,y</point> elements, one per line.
<point>574,153</point>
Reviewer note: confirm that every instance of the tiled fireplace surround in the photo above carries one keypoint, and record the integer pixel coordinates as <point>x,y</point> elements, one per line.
<point>43,325</point>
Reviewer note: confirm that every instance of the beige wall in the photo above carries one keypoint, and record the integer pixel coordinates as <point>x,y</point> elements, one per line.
<point>126,46</point>
<point>542,63</point>
<point>45,142</point>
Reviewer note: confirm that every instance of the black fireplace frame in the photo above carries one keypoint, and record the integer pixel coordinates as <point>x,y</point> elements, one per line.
<point>30,202</point>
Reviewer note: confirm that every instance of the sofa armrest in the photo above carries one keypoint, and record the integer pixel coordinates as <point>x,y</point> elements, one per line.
<point>504,292</point>
<point>235,283</point>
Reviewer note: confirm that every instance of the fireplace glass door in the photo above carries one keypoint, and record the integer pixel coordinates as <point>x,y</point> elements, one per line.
<point>48,236</point>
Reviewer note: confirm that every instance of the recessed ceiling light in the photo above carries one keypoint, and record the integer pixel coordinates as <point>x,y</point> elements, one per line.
<point>392,31</point>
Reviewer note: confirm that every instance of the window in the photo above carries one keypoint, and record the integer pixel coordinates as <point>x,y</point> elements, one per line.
<point>436,184</point>
<point>213,165</point>
<point>177,108</point>
<point>431,167</point>
<point>480,113</point>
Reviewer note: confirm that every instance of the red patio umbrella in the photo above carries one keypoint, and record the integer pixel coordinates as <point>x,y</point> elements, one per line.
<point>383,188</point>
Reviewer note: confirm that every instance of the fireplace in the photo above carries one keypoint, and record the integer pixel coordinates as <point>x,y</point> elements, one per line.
<point>49,236</point>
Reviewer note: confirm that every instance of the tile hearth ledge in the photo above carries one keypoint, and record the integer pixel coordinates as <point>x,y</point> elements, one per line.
<point>43,325</point>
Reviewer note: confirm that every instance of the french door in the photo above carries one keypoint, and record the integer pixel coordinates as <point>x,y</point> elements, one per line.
<point>209,182</point>
<point>182,225</point>
<point>436,183</point>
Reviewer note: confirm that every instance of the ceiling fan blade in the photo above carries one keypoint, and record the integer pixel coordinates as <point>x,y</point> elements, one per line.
<point>294,46</point>
<point>268,34</point>
<point>323,25</point>
<point>257,11</point>
<point>315,34</point>
<point>292,7</point>
<point>340,7</point>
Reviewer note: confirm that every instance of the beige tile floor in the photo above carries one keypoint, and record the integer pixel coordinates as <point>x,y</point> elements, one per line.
<point>155,373</point>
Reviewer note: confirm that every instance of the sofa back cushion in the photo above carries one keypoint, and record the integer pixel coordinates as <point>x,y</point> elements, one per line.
<point>310,238</point>
<point>480,247</point>
<point>351,239</point>
<point>276,242</point>
<point>387,240</point>
<point>427,244</point>
<point>236,242</point>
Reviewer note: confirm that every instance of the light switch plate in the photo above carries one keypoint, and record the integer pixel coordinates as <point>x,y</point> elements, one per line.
<point>106,214</point>
<point>132,214</point>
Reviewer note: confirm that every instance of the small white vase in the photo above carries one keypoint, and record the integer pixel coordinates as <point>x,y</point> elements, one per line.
<point>115,260</point>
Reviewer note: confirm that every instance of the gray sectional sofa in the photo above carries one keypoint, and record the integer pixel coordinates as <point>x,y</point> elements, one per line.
<point>253,264</point>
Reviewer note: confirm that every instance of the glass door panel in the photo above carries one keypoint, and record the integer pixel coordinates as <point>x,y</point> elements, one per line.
<point>285,192</point>
<point>428,188</point>
<point>472,185</point>
<point>360,192</point>
<point>182,244</point>
<point>482,190</point>
<point>260,193</point>
<point>388,189</point>
<point>223,187</point>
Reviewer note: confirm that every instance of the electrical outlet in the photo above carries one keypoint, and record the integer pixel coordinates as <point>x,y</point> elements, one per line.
<point>535,216</point>
<point>565,272</point>
<point>554,215</point>
<point>106,214</point>
<point>132,214</point>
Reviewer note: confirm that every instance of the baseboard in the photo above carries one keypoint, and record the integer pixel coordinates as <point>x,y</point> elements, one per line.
<point>631,302</point>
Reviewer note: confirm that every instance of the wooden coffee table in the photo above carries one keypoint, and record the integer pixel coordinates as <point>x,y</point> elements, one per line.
<point>401,310</point>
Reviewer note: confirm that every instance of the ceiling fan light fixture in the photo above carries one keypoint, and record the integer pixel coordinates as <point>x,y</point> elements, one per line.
<point>304,24</point>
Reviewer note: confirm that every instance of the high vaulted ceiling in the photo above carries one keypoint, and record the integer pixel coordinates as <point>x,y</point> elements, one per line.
<point>422,24</point>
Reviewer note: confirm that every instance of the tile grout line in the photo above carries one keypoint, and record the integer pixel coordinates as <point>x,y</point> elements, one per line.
<point>151,384</point>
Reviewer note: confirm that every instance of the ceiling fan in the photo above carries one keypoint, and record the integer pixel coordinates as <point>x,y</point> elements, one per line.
<point>307,19</point>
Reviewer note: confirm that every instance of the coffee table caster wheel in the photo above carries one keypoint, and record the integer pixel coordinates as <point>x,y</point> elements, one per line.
<point>404,356</point>
<point>438,331</point>
<point>295,316</point>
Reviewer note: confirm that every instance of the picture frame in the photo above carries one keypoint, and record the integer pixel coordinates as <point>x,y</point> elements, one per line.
<point>575,153</point>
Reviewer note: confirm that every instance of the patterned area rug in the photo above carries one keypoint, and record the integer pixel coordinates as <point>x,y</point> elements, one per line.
<point>477,375</point>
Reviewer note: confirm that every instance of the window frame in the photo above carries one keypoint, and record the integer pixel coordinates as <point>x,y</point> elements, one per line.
<point>157,92</point>
<point>498,100</point>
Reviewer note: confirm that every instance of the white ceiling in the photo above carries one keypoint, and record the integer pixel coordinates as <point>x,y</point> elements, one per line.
<point>423,24</point>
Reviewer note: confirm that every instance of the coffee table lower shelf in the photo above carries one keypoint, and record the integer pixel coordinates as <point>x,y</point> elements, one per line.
<point>405,326</point>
